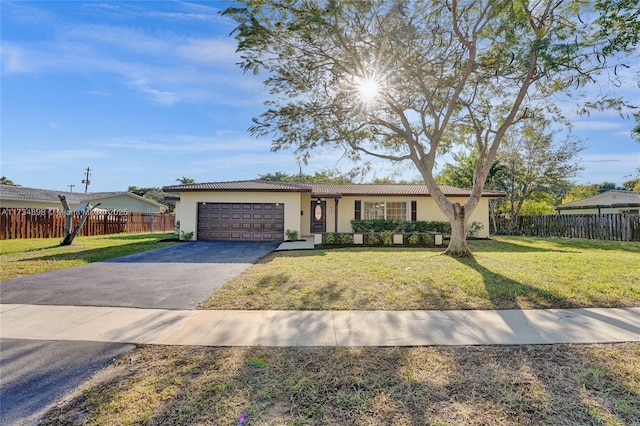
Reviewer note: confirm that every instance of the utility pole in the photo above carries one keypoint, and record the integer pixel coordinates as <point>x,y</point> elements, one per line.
<point>71,187</point>
<point>86,180</point>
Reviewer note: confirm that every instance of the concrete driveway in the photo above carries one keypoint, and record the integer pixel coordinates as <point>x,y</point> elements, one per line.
<point>37,373</point>
<point>175,277</point>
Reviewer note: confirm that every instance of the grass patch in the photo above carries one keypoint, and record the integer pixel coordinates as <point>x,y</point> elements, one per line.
<point>32,256</point>
<point>505,273</point>
<point>559,384</point>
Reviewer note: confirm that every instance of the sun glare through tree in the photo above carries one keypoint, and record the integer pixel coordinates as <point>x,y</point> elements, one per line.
<point>369,89</point>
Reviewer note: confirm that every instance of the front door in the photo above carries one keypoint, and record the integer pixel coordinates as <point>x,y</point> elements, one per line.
<point>318,217</point>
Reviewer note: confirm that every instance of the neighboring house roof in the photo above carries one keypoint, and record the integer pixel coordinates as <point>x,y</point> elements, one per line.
<point>9,192</point>
<point>329,190</point>
<point>613,198</point>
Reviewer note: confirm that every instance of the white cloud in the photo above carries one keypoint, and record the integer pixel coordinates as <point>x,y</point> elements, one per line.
<point>604,167</point>
<point>596,125</point>
<point>167,68</point>
<point>186,144</point>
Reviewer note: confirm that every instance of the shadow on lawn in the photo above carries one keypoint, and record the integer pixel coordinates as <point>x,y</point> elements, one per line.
<point>97,254</point>
<point>549,384</point>
<point>581,244</point>
<point>506,293</point>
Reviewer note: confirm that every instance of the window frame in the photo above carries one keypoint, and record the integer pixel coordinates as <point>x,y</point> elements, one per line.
<point>384,205</point>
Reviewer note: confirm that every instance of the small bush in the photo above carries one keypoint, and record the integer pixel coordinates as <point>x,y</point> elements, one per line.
<point>291,234</point>
<point>186,236</point>
<point>346,239</point>
<point>414,238</point>
<point>387,238</point>
<point>474,228</point>
<point>372,239</point>
<point>330,239</point>
<point>427,239</point>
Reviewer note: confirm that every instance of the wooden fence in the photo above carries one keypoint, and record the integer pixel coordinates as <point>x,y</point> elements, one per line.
<point>616,227</point>
<point>45,223</point>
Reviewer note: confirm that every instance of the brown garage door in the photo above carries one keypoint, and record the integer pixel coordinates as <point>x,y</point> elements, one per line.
<point>241,221</point>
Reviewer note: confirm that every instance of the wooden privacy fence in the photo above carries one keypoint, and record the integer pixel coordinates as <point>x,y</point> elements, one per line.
<point>616,227</point>
<point>49,223</point>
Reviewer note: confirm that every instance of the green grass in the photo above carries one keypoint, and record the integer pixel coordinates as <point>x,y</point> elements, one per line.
<point>550,384</point>
<point>32,256</point>
<point>505,273</point>
<point>541,385</point>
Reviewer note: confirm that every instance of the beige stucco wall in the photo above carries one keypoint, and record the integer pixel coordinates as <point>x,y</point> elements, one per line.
<point>297,203</point>
<point>427,210</point>
<point>187,212</point>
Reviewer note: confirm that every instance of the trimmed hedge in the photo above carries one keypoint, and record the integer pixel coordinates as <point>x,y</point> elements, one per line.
<point>400,226</point>
<point>384,238</point>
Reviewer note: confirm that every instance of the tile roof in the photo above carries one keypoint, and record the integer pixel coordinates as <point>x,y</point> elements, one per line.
<point>242,185</point>
<point>10,192</point>
<point>328,190</point>
<point>611,198</point>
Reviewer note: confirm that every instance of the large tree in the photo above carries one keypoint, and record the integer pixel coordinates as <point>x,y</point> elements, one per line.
<point>537,163</point>
<point>406,81</point>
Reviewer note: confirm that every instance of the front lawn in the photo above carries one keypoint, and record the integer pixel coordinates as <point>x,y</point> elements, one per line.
<point>506,273</point>
<point>35,255</point>
<point>490,385</point>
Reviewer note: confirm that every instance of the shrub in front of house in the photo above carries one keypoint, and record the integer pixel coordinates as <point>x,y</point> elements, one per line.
<point>399,226</point>
<point>346,239</point>
<point>385,238</point>
<point>414,238</point>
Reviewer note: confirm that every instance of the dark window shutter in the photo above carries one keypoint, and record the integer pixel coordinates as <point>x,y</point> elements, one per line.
<point>414,211</point>
<point>358,210</point>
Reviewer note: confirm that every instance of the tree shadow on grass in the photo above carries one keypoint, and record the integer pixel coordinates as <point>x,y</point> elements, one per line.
<point>98,254</point>
<point>559,384</point>
<point>506,293</point>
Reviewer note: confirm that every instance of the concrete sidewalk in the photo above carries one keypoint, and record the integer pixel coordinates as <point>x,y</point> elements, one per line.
<point>318,328</point>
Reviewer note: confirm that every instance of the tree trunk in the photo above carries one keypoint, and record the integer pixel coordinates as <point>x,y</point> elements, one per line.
<point>458,246</point>
<point>67,216</point>
<point>70,235</point>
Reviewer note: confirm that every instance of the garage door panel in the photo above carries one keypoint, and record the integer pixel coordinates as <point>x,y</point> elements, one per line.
<point>241,221</point>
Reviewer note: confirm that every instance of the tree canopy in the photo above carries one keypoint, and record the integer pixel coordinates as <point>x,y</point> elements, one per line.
<point>6,181</point>
<point>409,81</point>
<point>324,176</point>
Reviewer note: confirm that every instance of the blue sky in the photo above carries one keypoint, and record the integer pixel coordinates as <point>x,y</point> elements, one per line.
<point>145,92</point>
